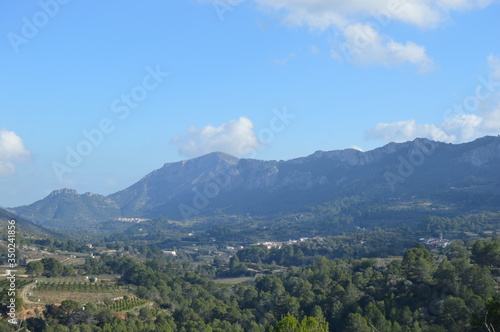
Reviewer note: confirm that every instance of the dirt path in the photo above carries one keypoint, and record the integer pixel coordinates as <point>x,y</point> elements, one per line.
<point>24,293</point>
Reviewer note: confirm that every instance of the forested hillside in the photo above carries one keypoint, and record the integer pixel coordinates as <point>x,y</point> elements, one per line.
<point>296,288</point>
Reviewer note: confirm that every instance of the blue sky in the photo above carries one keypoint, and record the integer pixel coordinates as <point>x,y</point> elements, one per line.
<point>163,81</point>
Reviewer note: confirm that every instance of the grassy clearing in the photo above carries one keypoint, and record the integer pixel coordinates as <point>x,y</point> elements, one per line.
<point>82,297</point>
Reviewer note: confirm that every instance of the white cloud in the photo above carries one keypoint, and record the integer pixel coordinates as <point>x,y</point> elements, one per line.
<point>11,149</point>
<point>346,16</point>
<point>235,137</point>
<point>11,146</point>
<point>402,131</point>
<point>457,126</point>
<point>363,45</point>
<point>321,14</point>
<point>355,147</point>
<point>463,127</point>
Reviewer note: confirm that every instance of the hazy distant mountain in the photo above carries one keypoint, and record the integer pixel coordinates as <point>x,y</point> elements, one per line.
<point>66,206</point>
<point>220,183</point>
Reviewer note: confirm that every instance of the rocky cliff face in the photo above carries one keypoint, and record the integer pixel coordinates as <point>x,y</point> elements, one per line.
<point>64,191</point>
<point>488,151</point>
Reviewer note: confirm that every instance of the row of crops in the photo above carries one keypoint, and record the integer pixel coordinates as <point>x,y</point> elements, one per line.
<point>20,283</point>
<point>76,286</point>
<point>123,304</point>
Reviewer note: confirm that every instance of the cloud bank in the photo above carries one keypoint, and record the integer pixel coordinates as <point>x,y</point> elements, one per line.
<point>322,14</point>
<point>236,137</point>
<point>364,45</point>
<point>360,22</point>
<point>458,126</point>
<point>11,149</point>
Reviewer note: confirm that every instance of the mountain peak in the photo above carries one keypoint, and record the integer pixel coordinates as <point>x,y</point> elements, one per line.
<point>218,156</point>
<point>213,158</point>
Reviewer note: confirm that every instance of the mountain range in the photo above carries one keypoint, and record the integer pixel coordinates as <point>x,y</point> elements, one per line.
<point>218,183</point>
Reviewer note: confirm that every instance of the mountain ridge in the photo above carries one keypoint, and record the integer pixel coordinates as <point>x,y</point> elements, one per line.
<point>218,182</point>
